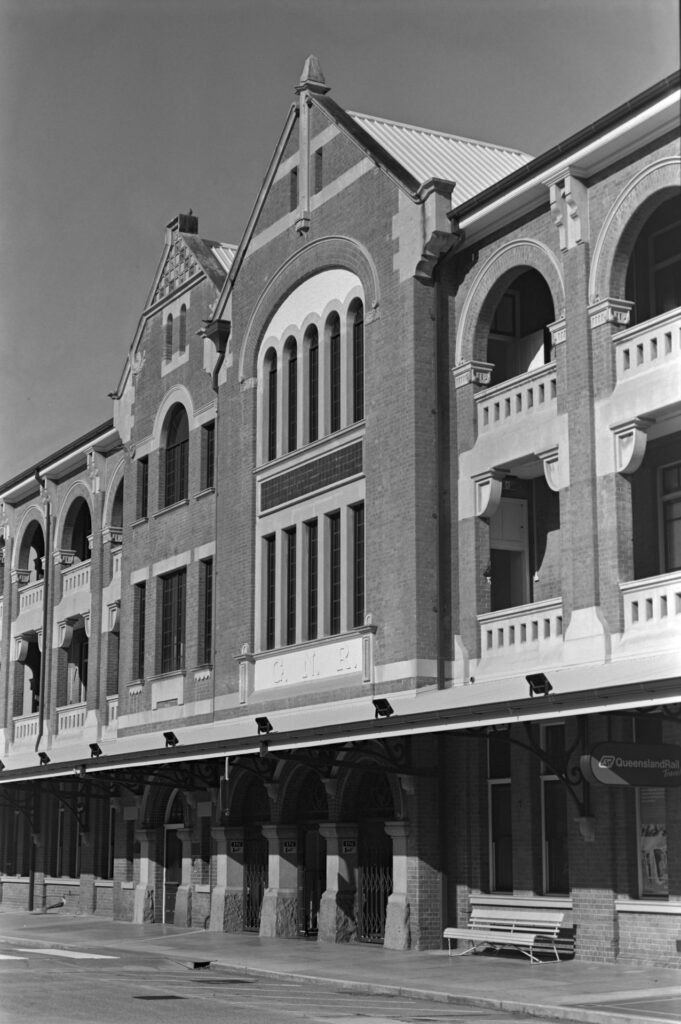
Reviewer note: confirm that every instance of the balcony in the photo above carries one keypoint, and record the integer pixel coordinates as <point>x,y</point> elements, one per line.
<point>112,711</point>
<point>71,719</point>
<point>25,729</point>
<point>648,366</point>
<point>652,611</point>
<point>532,629</point>
<point>518,399</point>
<point>31,597</point>
<point>77,578</point>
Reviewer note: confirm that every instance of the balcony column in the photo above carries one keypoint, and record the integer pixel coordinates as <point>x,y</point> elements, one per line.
<point>8,602</point>
<point>227,897</point>
<point>96,686</point>
<point>279,914</point>
<point>470,589</point>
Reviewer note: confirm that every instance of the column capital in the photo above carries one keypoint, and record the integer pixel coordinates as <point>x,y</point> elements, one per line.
<point>473,371</point>
<point>610,311</point>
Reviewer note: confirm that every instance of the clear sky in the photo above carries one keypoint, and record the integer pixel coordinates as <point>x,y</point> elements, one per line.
<point>115,115</point>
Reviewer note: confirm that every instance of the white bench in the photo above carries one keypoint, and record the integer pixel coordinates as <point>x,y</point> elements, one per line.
<point>529,930</point>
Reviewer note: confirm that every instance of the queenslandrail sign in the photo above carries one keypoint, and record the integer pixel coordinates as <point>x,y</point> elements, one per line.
<point>633,764</point>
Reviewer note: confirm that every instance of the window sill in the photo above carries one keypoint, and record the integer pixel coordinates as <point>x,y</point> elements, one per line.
<point>128,885</point>
<point>648,906</point>
<point>103,883</point>
<point>140,522</point>
<point>170,508</point>
<point>204,492</point>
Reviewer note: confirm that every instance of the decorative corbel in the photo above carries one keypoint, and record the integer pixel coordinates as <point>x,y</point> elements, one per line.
<point>367,632</point>
<point>569,203</point>
<point>488,488</point>
<point>20,649</point>
<point>87,623</point>
<point>555,468</point>
<point>473,371</point>
<point>610,311</point>
<point>64,557</point>
<point>435,195</point>
<point>20,576</point>
<point>246,663</point>
<point>630,443</point>
<point>558,331</point>
<point>65,635</point>
<point>115,617</point>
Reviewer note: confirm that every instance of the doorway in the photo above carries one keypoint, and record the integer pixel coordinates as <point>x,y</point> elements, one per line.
<point>172,871</point>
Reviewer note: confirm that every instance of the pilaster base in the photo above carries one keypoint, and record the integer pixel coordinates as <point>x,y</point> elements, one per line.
<point>143,912</point>
<point>337,917</point>
<point>397,926</point>
<point>182,918</point>
<point>279,914</point>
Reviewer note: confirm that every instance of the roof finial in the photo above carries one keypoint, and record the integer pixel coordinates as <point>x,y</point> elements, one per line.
<point>312,77</point>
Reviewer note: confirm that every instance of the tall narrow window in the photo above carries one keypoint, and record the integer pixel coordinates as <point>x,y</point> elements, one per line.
<point>168,338</point>
<point>176,457</point>
<point>293,190</point>
<point>335,374</point>
<point>182,333</point>
<point>143,488</point>
<point>312,580</point>
<point>671,517</point>
<point>358,365</point>
<point>173,590</point>
<point>205,654</point>
<point>318,170</point>
<point>554,814</point>
<point>499,790</point>
<point>270,590</point>
<point>313,385</point>
<point>358,565</point>
<point>334,573</point>
<point>292,418</point>
<point>272,405</point>
<point>208,455</point>
<point>140,613</point>
<point>291,586</point>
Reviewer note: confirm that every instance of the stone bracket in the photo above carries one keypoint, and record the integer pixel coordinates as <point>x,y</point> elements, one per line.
<point>488,488</point>
<point>474,371</point>
<point>630,443</point>
<point>555,468</point>
<point>610,311</point>
<point>569,201</point>
<point>246,663</point>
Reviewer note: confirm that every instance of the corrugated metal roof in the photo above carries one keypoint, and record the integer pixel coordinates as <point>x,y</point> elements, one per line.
<point>425,153</point>
<point>224,254</point>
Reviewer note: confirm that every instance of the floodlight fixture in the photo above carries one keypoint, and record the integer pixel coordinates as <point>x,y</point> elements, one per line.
<point>95,750</point>
<point>539,685</point>
<point>43,758</point>
<point>264,725</point>
<point>383,707</point>
<point>171,739</point>
<point>2,766</point>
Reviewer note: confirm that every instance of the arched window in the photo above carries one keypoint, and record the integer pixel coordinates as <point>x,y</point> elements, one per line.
<point>313,384</point>
<point>168,338</point>
<point>182,334</point>
<point>334,336</point>
<point>271,384</point>
<point>654,271</point>
<point>358,363</point>
<point>176,457</point>
<point>32,552</point>
<point>79,529</point>
<point>291,352</point>
<point>519,339</point>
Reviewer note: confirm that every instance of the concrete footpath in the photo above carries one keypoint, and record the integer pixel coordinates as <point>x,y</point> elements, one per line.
<point>570,990</point>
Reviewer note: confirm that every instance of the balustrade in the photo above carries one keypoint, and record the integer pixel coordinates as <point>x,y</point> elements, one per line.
<point>31,597</point>
<point>522,396</point>
<point>527,627</point>
<point>71,718</point>
<point>652,603</point>
<point>25,728</point>
<point>77,577</point>
<point>655,343</point>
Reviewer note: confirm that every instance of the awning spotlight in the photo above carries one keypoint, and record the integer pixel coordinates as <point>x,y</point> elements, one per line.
<point>264,726</point>
<point>171,739</point>
<point>384,708</point>
<point>539,685</point>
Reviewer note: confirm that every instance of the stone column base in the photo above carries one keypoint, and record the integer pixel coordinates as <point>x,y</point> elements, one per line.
<point>143,912</point>
<point>337,917</point>
<point>182,918</point>
<point>226,910</point>
<point>279,913</point>
<point>397,929</point>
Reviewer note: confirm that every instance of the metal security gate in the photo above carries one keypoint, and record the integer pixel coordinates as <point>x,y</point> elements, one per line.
<point>375,881</point>
<point>255,880</point>
<point>313,848</point>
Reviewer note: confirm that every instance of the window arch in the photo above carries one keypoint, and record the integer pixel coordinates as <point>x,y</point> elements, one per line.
<point>653,281</point>
<point>77,530</point>
<point>519,339</point>
<point>32,552</point>
<point>271,386</point>
<point>312,350</point>
<point>176,457</point>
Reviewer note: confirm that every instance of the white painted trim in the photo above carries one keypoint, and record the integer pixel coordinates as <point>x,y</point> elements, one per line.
<point>172,563</point>
<point>204,551</point>
<point>507,900</point>
<point>139,575</point>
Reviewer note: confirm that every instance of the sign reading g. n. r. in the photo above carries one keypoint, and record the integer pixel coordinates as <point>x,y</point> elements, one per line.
<point>633,764</point>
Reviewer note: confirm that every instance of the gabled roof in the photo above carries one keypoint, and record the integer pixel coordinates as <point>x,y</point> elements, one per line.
<point>473,166</point>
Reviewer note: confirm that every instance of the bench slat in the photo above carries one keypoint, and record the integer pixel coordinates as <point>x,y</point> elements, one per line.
<point>523,929</point>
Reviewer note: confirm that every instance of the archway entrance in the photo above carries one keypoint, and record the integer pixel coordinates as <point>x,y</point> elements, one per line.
<point>312,808</point>
<point>256,850</point>
<point>172,855</point>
